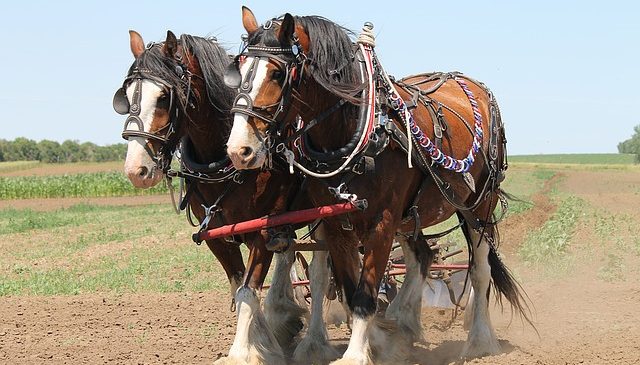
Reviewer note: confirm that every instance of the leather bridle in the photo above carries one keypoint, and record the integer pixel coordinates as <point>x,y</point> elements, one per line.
<point>166,136</point>
<point>292,66</point>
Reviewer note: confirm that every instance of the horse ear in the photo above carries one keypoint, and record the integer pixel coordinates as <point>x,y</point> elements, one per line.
<point>136,43</point>
<point>170,45</point>
<point>288,26</point>
<point>249,20</point>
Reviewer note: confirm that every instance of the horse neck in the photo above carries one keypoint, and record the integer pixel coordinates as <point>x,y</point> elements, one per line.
<point>208,128</point>
<point>335,130</point>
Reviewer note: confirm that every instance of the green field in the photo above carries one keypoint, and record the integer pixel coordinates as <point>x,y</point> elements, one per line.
<point>581,158</point>
<point>87,249</point>
<point>99,184</point>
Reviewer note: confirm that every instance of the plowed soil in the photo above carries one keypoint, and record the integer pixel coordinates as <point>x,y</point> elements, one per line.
<point>580,318</point>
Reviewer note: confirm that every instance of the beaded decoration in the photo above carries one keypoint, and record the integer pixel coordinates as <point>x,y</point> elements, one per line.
<point>439,157</point>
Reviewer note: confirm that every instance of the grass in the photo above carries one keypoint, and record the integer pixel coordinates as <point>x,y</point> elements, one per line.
<point>550,242</point>
<point>520,182</point>
<point>613,269</point>
<point>620,236</point>
<point>523,183</point>
<point>99,184</point>
<point>86,249</point>
<point>9,166</point>
<point>575,158</point>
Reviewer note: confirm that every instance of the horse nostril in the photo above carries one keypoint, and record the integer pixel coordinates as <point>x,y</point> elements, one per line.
<point>143,171</point>
<point>246,152</point>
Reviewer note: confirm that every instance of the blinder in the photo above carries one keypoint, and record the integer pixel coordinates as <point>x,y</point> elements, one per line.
<point>232,77</point>
<point>291,67</point>
<point>122,106</point>
<point>120,101</point>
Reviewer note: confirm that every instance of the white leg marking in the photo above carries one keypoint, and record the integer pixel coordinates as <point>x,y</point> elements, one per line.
<point>315,347</point>
<point>254,343</point>
<point>407,306</point>
<point>482,338</point>
<point>247,305</point>
<point>283,314</point>
<point>358,349</point>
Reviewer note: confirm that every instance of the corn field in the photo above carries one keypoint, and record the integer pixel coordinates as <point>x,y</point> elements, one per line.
<point>99,184</point>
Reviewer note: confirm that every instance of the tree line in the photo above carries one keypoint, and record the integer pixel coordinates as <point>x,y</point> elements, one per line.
<point>24,149</point>
<point>631,145</point>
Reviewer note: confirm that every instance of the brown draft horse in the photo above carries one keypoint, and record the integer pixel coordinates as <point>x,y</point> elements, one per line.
<point>308,67</point>
<point>174,91</point>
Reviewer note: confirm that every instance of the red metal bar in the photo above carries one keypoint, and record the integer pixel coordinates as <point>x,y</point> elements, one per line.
<point>299,216</point>
<point>293,283</point>
<point>437,266</point>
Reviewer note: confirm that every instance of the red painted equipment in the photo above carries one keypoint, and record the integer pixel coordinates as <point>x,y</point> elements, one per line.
<point>295,217</point>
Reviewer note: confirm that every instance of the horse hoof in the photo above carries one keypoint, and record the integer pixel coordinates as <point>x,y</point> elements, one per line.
<point>475,348</point>
<point>312,350</point>
<point>230,361</point>
<point>350,362</point>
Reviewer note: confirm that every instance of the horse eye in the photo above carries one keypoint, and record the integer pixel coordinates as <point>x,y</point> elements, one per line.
<point>277,76</point>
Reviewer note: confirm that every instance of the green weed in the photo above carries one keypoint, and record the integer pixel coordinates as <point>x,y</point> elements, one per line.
<point>551,240</point>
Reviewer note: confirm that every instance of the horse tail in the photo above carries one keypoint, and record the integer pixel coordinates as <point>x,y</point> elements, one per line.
<point>512,197</point>
<point>505,285</point>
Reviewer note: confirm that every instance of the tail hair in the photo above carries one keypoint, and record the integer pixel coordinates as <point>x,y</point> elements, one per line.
<point>505,285</point>
<point>512,197</point>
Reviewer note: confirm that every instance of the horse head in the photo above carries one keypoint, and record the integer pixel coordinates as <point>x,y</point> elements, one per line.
<point>154,94</point>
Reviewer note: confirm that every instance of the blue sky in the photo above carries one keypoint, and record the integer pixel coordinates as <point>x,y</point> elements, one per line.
<point>566,73</point>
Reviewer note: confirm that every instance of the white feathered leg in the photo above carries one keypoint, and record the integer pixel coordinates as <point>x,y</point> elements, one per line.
<point>314,347</point>
<point>358,350</point>
<point>282,313</point>
<point>482,338</point>
<point>254,342</point>
<point>406,308</point>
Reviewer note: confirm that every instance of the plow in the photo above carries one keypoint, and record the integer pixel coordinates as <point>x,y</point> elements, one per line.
<point>447,286</point>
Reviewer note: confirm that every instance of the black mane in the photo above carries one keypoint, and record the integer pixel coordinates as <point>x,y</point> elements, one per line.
<point>331,53</point>
<point>212,59</point>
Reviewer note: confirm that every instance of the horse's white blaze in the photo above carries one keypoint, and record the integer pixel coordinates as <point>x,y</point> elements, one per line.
<point>137,155</point>
<point>242,133</point>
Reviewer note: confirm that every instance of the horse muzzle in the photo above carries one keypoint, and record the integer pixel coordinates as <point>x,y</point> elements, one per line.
<point>246,157</point>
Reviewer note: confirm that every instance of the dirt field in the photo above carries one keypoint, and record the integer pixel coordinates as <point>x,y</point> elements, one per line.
<point>584,305</point>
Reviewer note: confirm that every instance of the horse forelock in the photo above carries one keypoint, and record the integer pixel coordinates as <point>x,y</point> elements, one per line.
<point>330,52</point>
<point>210,57</point>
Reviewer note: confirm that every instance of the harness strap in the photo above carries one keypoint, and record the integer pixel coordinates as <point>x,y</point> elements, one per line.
<point>322,116</point>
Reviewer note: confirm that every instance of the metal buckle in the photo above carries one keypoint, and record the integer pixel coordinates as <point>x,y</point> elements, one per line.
<point>237,178</point>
